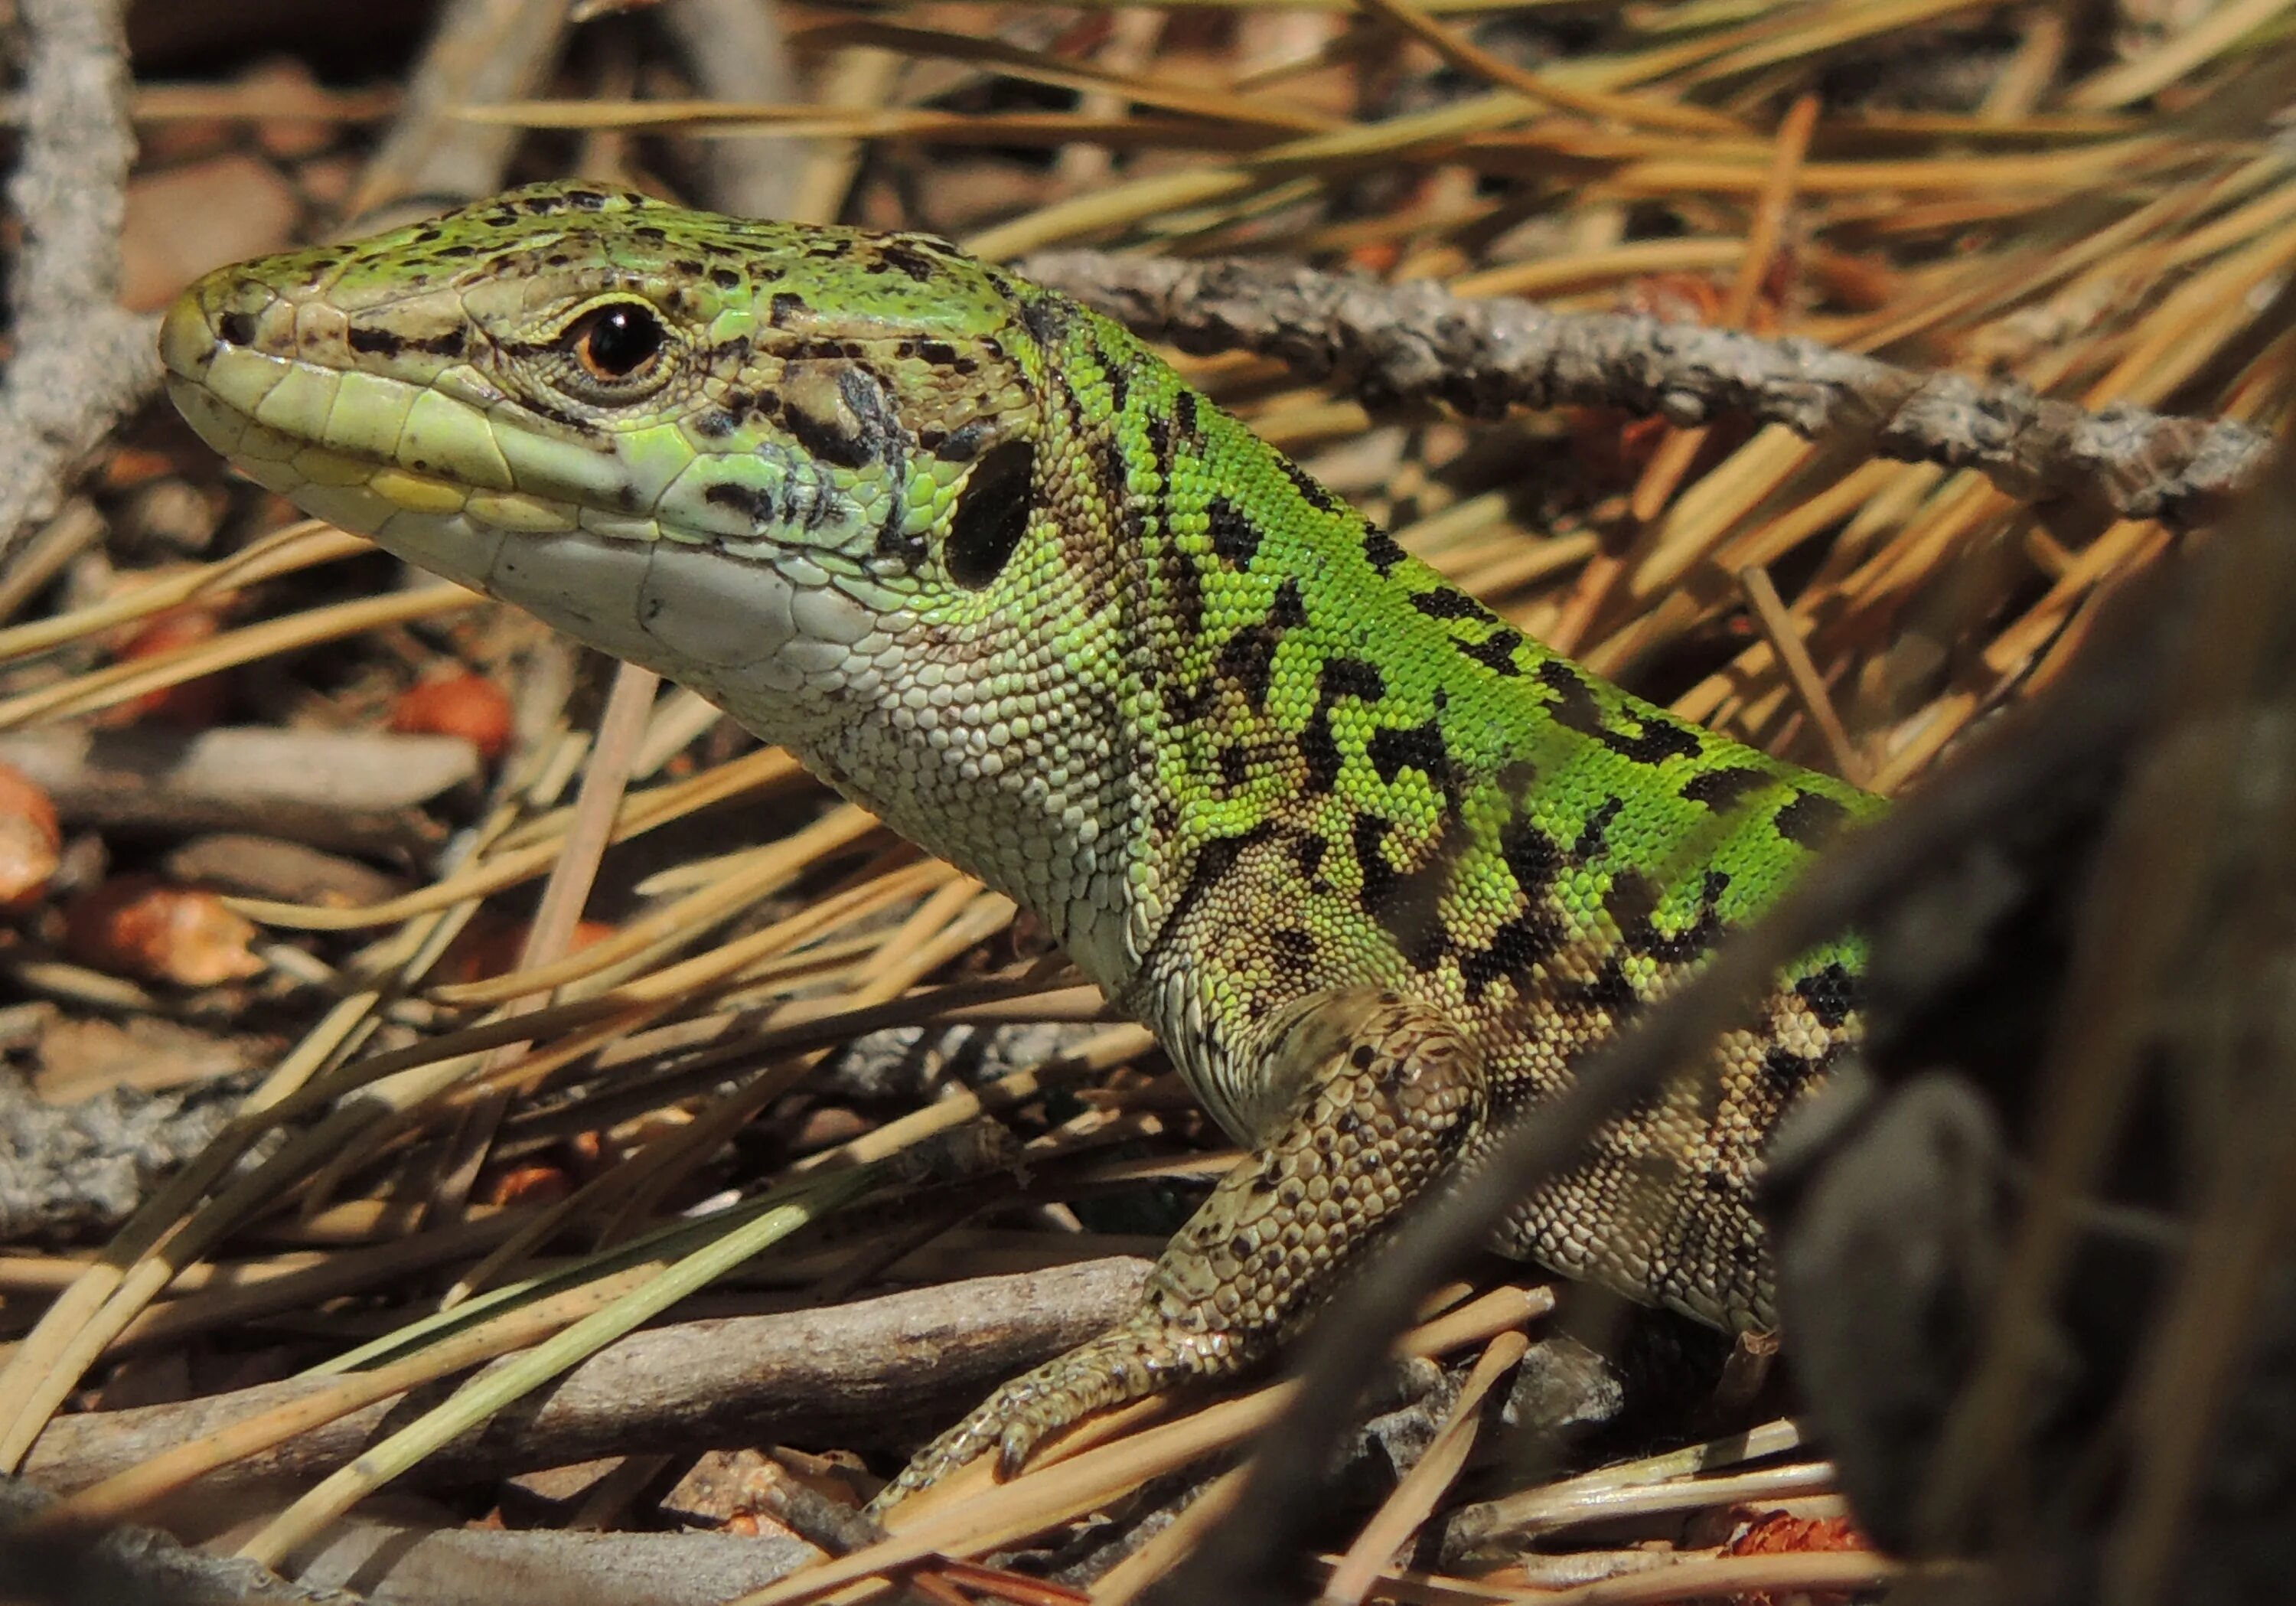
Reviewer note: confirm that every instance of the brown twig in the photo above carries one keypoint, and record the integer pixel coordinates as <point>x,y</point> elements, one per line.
<point>1418,343</point>
<point>82,363</point>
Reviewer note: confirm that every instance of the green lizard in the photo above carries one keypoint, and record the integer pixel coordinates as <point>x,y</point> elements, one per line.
<point>1374,866</point>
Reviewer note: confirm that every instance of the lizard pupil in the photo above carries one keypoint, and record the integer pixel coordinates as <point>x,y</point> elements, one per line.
<point>617,343</point>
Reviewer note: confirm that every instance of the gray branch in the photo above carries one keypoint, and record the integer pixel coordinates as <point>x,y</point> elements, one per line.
<point>1417,344</point>
<point>129,1564</point>
<point>82,362</point>
<point>865,1372</point>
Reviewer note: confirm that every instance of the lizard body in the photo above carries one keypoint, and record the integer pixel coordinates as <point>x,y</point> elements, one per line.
<point>1373,865</point>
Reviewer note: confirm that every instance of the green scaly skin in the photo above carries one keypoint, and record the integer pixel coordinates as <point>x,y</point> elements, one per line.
<point>1375,866</point>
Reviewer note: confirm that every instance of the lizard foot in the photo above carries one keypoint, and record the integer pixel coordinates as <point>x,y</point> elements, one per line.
<point>1144,1356</point>
<point>1386,1095</point>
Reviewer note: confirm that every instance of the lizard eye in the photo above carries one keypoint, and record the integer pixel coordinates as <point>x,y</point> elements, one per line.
<point>992,514</point>
<point>616,344</point>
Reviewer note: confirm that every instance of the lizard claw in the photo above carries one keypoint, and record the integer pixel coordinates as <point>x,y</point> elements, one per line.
<point>995,1424</point>
<point>1144,1356</point>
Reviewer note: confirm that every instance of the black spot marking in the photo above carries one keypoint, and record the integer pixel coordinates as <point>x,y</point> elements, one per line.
<point>1575,708</point>
<point>1420,748</point>
<point>785,304</point>
<point>1236,539</point>
<point>1234,762</point>
<point>754,504</point>
<point>1183,589</point>
<point>992,514</point>
<point>724,278</point>
<point>1185,704</point>
<point>1158,428</point>
<point>1294,945</point>
<point>845,437</point>
<point>961,444</point>
<point>716,424</point>
<point>902,256</point>
<point>1184,414</point>
<point>1405,904</point>
<point>1047,317</point>
<point>1248,657</point>
<point>1607,990</point>
<point>1830,994</point>
<point>1114,470</point>
<point>1495,652</point>
<point>1341,678</point>
<point>1810,820</point>
<point>1449,602</point>
<point>1380,550</point>
<point>368,340</point>
<point>939,353</point>
<point>1308,849</point>
<point>1787,1076</point>
<point>1120,386</point>
<point>583,428</point>
<point>1592,837</point>
<point>1534,935</point>
<point>1313,494</point>
<point>1723,790</point>
<point>688,267</point>
<point>1631,901</point>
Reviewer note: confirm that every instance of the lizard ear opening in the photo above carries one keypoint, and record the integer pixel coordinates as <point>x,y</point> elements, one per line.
<point>992,514</point>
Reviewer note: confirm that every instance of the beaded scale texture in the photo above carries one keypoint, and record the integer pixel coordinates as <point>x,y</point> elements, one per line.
<point>1374,866</point>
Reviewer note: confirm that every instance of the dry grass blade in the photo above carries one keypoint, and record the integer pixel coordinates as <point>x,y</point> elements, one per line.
<point>285,551</point>
<point>1416,1495</point>
<point>107,688</point>
<point>531,852</point>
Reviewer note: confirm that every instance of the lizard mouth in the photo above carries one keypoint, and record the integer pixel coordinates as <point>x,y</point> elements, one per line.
<point>355,446</point>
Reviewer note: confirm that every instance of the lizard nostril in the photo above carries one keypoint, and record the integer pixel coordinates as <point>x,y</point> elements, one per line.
<point>236,328</point>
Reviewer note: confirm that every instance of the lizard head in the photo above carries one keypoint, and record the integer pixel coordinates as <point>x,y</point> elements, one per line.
<point>568,359</point>
<point>810,471</point>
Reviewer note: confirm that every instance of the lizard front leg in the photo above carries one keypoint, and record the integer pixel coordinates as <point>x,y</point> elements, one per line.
<point>1390,1094</point>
